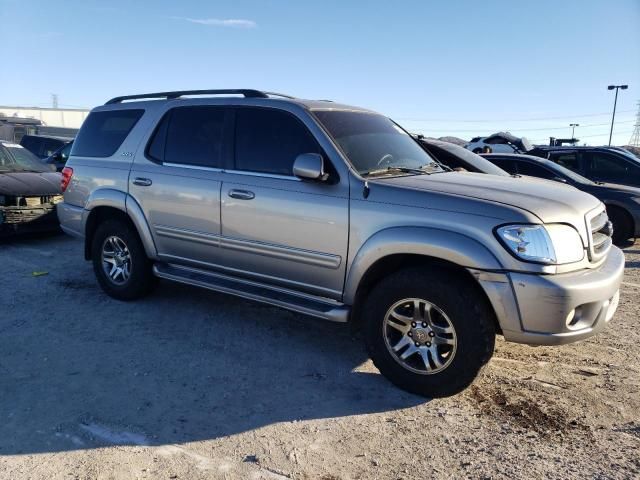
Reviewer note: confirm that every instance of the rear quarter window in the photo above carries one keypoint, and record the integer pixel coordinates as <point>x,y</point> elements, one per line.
<point>103,132</point>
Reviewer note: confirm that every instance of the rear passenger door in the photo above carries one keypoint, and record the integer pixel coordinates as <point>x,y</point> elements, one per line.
<point>177,180</point>
<point>275,227</point>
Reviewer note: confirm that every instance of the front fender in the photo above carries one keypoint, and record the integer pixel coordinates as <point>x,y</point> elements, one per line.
<point>442,244</point>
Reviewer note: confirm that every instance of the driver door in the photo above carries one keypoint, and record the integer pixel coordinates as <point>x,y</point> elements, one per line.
<point>276,227</point>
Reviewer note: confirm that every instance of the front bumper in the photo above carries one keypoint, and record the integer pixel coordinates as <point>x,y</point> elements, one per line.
<point>555,309</point>
<point>16,220</point>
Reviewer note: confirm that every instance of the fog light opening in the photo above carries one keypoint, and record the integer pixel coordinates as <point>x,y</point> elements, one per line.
<point>572,318</point>
<point>613,306</point>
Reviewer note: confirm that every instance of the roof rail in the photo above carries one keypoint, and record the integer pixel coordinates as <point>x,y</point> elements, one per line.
<point>282,95</point>
<point>248,93</point>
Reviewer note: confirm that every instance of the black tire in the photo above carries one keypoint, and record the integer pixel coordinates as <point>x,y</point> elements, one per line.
<point>141,280</point>
<point>622,225</point>
<point>477,151</point>
<point>467,310</point>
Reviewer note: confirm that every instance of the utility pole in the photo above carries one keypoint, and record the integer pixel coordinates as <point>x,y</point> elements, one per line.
<point>615,101</point>
<point>54,100</point>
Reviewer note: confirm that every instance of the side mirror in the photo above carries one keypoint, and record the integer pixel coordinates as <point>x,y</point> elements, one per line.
<point>310,166</point>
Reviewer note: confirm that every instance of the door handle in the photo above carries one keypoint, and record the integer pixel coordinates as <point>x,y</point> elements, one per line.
<point>142,182</point>
<point>241,194</point>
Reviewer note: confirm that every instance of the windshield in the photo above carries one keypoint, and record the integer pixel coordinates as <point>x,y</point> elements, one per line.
<point>628,154</point>
<point>373,143</point>
<point>15,158</point>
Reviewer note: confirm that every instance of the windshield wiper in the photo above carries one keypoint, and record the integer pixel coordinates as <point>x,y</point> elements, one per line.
<point>381,171</point>
<point>433,165</point>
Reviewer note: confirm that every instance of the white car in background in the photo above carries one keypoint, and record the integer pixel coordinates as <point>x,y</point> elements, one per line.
<point>501,142</point>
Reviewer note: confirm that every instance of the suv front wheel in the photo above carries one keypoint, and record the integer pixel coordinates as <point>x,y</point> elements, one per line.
<point>429,332</point>
<point>120,262</point>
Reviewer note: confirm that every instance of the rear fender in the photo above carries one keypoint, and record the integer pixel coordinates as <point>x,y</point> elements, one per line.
<point>119,200</point>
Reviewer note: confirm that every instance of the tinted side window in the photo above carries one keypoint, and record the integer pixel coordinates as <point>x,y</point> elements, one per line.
<point>506,164</point>
<point>603,163</point>
<point>102,133</point>
<point>495,141</point>
<point>269,141</point>
<point>50,146</point>
<point>567,160</point>
<point>533,170</point>
<point>5,159</point>
<point>29,144</point>
<point>64,153</point>
<point>194,135</point>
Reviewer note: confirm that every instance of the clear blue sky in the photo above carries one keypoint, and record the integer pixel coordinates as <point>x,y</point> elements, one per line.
<point>438,67</point>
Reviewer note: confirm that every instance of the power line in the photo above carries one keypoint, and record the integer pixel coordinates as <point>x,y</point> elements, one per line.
<point>635,136</point>
<point>413,119</point>
<point>537,129</point>
<point>536,140</point>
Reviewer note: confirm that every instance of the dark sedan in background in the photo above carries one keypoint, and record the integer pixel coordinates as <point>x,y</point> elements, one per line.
<point>459,158</point>
<point>623,202</point>
<point>600,164</point>
<point>59,158</point>
<point>29,192</point>
<point>43,146</point>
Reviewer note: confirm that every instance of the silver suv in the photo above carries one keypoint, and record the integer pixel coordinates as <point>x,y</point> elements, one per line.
<point>336,212</point>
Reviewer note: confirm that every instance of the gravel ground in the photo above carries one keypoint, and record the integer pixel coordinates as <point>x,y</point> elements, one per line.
<point>190,384</point>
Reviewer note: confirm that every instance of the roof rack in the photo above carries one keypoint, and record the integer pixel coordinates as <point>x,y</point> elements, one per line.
<point>248,93</point>
<point>282,95</point>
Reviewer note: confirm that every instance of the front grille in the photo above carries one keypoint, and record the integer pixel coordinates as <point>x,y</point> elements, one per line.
<point>600,232</point>
<point>25,214</point>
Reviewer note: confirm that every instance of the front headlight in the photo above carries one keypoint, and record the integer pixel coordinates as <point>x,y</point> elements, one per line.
<point>549,244</point>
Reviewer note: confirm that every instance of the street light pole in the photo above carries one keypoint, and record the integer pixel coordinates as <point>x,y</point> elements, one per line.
<point>615,101</point>
<point>573,129</point>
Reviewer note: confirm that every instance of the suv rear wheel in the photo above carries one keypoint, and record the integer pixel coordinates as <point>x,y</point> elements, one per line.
<point>428,332</point>
<point>120,263</point>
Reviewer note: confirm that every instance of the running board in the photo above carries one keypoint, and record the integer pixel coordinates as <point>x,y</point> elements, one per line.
<point>280,297</point>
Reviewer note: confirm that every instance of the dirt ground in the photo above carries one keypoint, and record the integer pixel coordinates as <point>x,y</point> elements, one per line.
<point>189,384</point>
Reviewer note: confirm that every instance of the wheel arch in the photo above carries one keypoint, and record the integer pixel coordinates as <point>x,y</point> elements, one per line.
<point>107,204</point>
<point>394,249</point>
<point>624,211</point>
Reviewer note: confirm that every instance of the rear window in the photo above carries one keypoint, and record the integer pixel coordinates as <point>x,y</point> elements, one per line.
<point>103,132</point>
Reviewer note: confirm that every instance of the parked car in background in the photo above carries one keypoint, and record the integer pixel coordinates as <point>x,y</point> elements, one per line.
<point>622,202</point>
<point>29,192</point>
<point>336,212</point>
<point>459,158</point>
<point>43,146</point>
<point>59,158</point>
<point>503,142</point>
<point>600,164</point>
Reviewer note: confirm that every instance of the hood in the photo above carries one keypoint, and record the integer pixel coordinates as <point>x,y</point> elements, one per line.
<point>549,201</point>
<point>28,183</point>
<point>615,187</point>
